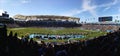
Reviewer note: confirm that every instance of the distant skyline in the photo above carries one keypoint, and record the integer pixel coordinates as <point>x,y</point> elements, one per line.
<point>86,10</point>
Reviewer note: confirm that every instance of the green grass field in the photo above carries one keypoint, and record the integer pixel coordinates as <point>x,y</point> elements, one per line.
<point>26,31</point>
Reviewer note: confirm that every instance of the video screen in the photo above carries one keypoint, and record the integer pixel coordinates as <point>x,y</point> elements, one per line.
<point>102,19</point>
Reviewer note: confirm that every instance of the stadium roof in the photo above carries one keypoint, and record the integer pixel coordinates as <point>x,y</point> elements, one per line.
<point>44,16</point>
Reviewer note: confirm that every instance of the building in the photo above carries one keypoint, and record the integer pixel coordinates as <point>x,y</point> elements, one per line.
<point>46,21</point>
<point>4,18</point>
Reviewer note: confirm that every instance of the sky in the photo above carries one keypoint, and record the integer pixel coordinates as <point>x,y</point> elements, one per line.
<point>86,10</point>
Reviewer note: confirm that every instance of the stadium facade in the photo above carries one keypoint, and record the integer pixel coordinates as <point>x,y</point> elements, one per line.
<point>46,17</point>
<point>46,21</point>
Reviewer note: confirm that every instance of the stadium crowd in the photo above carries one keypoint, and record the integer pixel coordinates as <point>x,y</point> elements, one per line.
<point>107,45</point>
<point>46,23</point>
<point>101,27</point>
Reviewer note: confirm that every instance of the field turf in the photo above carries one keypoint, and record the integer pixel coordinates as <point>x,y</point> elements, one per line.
<point>59,31</point>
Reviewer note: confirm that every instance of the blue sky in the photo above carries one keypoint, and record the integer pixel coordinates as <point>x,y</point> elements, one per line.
<point>87,10</point>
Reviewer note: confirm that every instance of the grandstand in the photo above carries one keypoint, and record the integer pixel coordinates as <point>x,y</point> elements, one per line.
<point>46,21</point>
<point>46,17</point>
<point>105,23</point>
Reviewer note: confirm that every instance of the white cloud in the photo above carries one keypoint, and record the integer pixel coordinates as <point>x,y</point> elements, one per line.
<point>1,11</point>
<point>73,12</point>
<point>119,10</point>
<point>107,8</point>
<point>87,6</point>
<point>108,5</point>
<point>25,1</point>
<point>14,3</point>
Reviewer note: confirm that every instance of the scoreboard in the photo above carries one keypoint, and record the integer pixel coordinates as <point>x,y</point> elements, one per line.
<point>103,19</point>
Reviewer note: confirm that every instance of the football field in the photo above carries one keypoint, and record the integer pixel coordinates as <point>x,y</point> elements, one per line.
<point>56,31</point>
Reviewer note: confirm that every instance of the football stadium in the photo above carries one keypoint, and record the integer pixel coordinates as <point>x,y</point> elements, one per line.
<point>57,35</point>
<point>46,21</point>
